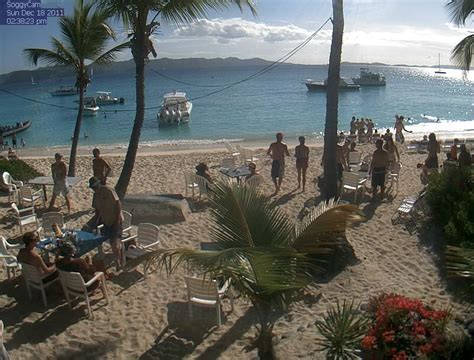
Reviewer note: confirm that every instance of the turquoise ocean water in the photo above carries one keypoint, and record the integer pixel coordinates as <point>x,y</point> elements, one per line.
<point>252,111</point>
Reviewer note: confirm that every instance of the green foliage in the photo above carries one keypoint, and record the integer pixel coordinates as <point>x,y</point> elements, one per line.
<point>460,264</point>
<point>460,11</point>
<point>18,169</point>
<point>451,199</point>
<point>342,329</point>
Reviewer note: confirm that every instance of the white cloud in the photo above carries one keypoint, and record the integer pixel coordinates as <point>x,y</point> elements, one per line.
<point>241,29</point>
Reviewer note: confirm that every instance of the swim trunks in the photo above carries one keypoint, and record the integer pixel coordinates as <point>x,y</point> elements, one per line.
<point>378,177</point>
<point>278,169</point>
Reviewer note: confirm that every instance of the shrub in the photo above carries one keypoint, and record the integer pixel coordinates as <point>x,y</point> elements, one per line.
<point>403,328</point>
<point>18,169</point>
<point>342,329</point>
<point>451,199</point>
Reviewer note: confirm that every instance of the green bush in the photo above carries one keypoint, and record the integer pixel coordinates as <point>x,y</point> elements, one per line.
<point>451,198</point>
<point>18,169</point>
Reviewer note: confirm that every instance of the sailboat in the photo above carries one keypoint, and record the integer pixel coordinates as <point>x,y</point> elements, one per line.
<point>439,71</point>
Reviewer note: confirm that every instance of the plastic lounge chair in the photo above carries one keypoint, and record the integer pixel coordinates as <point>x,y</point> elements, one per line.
<point>9,260</point>
<point>30,197</point>
<point>3,351</point>
<point>206,293</point>
<point>146,240</point>
<point>74,286</point>
<point>12,186</point>
<point>352,182</point>
<point>190,183</point>
<point>25,220</point>
<point>408,211</point>
<point>34,279</point>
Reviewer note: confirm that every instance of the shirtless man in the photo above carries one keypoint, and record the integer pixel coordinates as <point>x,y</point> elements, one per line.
<point>277,151</point>
<point>100,167</point>
<point>378,168</point>
<point>302,155</point>
<point>29,256</point>
<point>399,128</point>
<point>59,172</point>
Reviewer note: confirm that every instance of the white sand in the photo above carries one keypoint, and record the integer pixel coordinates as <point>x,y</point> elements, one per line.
<point>148,318</point>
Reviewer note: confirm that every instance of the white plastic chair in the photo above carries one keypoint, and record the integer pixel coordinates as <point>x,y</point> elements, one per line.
<point>233,151</point>
<point>50,218</point>
<point>352,182</point>
<point>3,351</point>
<point>203,185</point>
<point>74,286</point>
<point>34,279</point>
<point>354,158</point>
<point>206,293</point>
<point>25,220</point>
<point>9,260</point>
<point>190,183</point>
<point>394,175</point>
<point>30,197</point>
<point>146,240</point>
<point>12,186</point>
<point>247,156</point>
<point>227,163</point>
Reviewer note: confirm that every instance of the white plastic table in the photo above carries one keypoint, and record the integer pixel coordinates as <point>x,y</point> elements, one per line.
<point>48,180</point>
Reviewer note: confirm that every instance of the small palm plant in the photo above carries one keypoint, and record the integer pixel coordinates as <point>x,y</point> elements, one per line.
<point>85,35</point>
<point>342,330</point>
<point>460,264</point>
<point>266,257</point>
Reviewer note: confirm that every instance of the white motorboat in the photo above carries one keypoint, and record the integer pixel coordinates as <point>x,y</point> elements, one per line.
<point>175,109</point>
<point>90,107</point>
<point>314,85</point>
<point>368,78</point>
<point>104,98</point>
<point>64,91</point>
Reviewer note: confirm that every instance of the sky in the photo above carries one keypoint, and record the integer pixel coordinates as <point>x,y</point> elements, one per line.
<point>389,31</point>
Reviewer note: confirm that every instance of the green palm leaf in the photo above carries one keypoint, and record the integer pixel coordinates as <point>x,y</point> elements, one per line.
<point>460,10</point>
<point>462,53</point>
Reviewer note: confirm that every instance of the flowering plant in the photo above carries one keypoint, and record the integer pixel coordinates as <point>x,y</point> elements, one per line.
<point>404,328</point>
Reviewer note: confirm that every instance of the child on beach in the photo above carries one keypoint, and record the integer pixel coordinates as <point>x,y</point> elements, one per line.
<point>302,157</point>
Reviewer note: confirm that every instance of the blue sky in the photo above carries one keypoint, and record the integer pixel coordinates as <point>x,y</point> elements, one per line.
<point>389,31</point>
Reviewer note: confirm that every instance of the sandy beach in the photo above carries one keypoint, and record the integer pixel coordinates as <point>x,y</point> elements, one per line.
<point>148,318</point>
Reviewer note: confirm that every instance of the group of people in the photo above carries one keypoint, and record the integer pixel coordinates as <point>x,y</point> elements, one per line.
<point>363,128</point>
<point>4,143</point>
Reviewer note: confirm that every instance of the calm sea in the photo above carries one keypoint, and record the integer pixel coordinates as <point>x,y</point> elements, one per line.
<point>252,111</point>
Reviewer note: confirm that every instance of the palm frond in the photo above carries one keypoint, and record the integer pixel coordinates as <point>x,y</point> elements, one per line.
<point>460,10</point>
<point>47,56</point>
<point>111,54</point>
<point>460,262</point>
<point>326,218</point>
<point>243,217</point>
<point>462,53</point>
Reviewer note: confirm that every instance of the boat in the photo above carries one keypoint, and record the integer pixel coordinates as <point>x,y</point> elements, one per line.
<point>175,109</point>
<point>64,91</point>
<point>13,129</point>
<point>439,71</point>
<point>368,78</point>
<point>314,85</point>
<point>90,107</point>
<point>104,98</point>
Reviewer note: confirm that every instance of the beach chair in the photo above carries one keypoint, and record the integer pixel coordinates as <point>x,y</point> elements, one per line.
<point>12,186</point>
<point>412,147</point>
<point>9,261</point>
<point>190,183</point>
<point>25,220</point>
<point>146,240</point>
<point>354,158</point>
<point>246,156</point>
<point>227,163</point>
<point>409,211</point>
<point>74,286</point>
<point>50,218</point>
<point>34,279</point>
<point>233,151</point>
<point>203,185</point>
<point>394,174</point>
<point>206,293</point>
<point>352,182</point>
<point>30,197</point>
<point>3,351</point>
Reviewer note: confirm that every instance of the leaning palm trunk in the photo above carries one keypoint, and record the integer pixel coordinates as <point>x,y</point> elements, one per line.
<point>330,130</point>
<point>139,58</point>
<point>77,130</point>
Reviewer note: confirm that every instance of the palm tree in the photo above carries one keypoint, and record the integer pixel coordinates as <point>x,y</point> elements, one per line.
<point>267,258</point>
<point>460,11</point>
<point>330,130</point>
<point>135,15</point>
<point>85,35</point>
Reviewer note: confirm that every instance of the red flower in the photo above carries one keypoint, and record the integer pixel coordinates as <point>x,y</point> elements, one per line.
<point>388,336</point>
<point>400,356</point>
<point>426,348</point>
<point>369,342</point>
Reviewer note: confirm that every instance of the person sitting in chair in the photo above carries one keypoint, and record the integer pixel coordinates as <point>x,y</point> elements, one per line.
<point>29,256</point>
<point>70,264</point>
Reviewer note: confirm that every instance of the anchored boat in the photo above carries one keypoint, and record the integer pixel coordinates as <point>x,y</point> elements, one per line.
<point>105,98</point>
<point>368,78</point>
<point>175,109</point>
<point>64,91</point>
<point>13,129</point>
<point>314,85</point>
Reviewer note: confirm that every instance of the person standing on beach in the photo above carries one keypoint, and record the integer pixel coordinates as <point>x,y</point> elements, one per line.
<point>434,149</point>
<point>2,147</point>
<point>59,172</point>
<point>100,167</point>
<point>277,151</point>
<point>353,126</point>
<point>378,168</point>
<point>14,141</point>
<point>399,128</point>
<point>108,212</point>
<point>302,157</point>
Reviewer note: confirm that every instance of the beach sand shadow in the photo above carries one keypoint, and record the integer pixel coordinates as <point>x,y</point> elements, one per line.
<point>93,351</point>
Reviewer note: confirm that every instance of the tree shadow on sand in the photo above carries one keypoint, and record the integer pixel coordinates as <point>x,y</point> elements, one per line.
<point>183,335</point>
<point>88,351</point>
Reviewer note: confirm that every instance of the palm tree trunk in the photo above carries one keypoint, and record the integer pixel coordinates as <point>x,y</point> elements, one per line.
<point>139,58</point>
<point>77,132</point>
<point>330,131</point>
<point>264,340</point>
